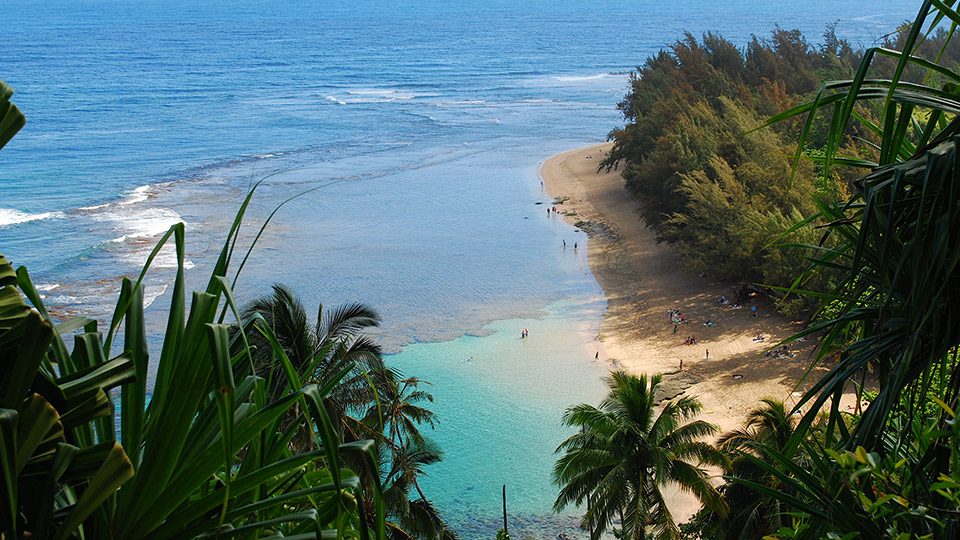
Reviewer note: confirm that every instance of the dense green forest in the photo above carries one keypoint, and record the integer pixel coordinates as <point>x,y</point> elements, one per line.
<point>717,187</point>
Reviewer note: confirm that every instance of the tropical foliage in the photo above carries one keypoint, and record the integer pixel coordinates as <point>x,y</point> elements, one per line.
<point>719,192</point>
<point>11,119</point>
<point>370,401</point>
<point>624,453</point>
<point>896,308</point>
<point>750,514</point>
<point>892,470</point>
<point>317,352</point>
<point>206,453</point>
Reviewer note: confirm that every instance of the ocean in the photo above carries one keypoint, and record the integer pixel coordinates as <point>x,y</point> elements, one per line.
<point>423,124</point>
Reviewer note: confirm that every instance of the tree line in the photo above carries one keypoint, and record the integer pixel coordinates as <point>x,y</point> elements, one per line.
<point>723,192</point>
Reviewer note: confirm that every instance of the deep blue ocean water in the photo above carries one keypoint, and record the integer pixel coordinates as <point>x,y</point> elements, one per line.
<point>424,125</point>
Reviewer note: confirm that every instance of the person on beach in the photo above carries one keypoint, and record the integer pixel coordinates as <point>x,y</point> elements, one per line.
<point>574,245</point>
<point>681,364</point>
<point>707,355</point>
<point>564,244</point>
<point>596,357</point>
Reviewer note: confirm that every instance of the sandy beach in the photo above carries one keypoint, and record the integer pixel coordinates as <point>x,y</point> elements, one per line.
<point>728,369</point>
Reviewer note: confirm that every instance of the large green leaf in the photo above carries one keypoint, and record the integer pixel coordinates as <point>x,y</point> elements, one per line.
<point>11,119</point>
<point>8,463</point>
<point>114,472</point>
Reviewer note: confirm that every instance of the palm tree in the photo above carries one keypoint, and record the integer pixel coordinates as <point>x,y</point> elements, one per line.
<point>393,421</point>
<point>624,454</point>
<point>752,515</point>
<point>319,352</point>
<point>398,411</point>
<point>388,402</point>
<point>416,518</point>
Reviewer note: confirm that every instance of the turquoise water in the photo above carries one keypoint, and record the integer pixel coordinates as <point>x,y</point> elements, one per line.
<point>422,123</point>
<point>500,399</point>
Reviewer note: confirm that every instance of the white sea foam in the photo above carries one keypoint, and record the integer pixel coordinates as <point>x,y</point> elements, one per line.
<point>583,78</point>
<point>135,223</point>
<point>94,207</point>
<point>10,216</point>
<point>461,102</point>
<point>139,194</point>
<point>376,95</point>
<point>166,258</point>
<point>153,292</point>
<point>47,287</point>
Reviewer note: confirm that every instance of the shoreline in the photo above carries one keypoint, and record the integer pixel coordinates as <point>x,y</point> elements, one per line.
<point>727,369</point>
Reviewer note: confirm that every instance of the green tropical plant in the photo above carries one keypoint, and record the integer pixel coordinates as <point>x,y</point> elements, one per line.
<point>60,460</point>
<point>412,517</point>
<point>898,312</point>
<point>319,352</point>
<point>399,410</point>
<point>208,455</point>
<point>624,453</point>
<point>751,515</point>
<point>895,311</point>
<point>11,119</point>
<point>393,421</point>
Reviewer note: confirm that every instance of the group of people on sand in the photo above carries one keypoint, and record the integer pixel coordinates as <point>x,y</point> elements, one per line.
<point>676,317</point>
<point>524,334</point>
<point>691,340</point>
<point>781,352</point>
